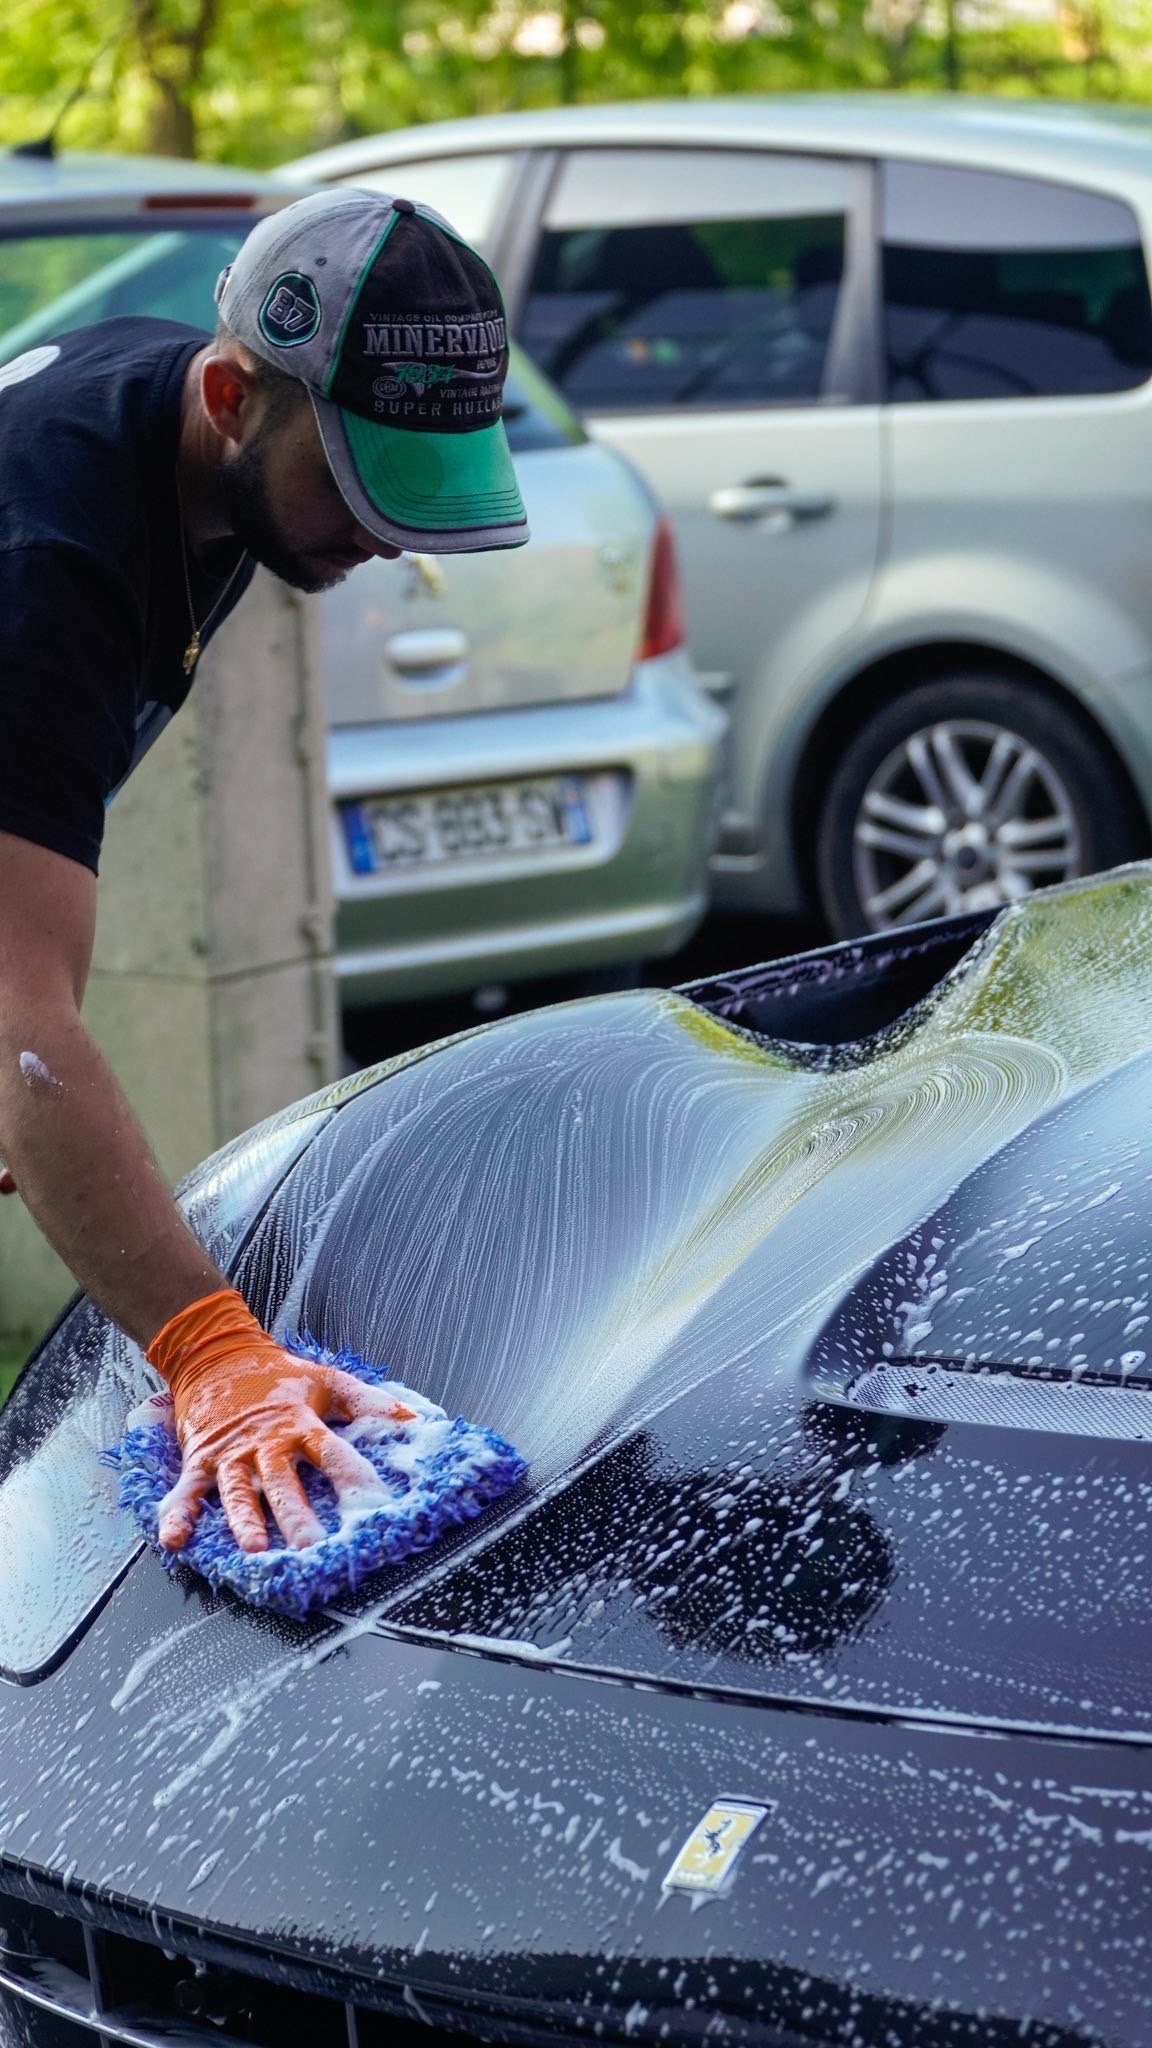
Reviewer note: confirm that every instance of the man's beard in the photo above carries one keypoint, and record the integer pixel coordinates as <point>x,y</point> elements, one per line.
<point>253,521</point>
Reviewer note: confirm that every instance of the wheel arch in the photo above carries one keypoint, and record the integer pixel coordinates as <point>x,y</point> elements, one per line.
<point>881,682</point>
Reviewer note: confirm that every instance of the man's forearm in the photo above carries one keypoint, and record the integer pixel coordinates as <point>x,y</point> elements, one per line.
<point>85,1171</point>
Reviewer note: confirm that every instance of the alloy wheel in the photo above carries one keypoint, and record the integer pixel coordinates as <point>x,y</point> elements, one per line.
<point>963,815</point>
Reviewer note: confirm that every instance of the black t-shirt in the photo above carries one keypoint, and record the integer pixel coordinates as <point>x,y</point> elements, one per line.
<point>94,615</point>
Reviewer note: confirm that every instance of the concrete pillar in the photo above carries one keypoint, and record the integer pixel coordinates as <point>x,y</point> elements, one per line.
<point>211,989</point>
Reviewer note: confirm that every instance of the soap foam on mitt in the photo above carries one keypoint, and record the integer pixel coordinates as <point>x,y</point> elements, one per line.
<point>437,1472</point>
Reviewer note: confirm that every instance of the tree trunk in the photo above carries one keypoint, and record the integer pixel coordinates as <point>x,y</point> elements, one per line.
<point>569,55</point>
<point>171,121</point>
<point>173,60</point>
<point>952,78</point>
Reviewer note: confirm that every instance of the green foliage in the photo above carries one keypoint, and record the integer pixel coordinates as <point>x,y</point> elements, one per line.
<point>261,80</point>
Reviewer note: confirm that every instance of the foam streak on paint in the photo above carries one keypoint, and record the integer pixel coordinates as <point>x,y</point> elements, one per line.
<point>541,1240</point>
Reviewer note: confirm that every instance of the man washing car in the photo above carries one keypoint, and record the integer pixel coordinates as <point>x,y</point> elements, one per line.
<point>349,406</point>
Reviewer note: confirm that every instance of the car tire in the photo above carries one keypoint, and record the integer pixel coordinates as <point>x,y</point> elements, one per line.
<point>963,794</point>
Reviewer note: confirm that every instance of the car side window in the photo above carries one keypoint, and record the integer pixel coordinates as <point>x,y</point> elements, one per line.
<point>468,190</point>
<point>689,278</point>
<point>1007,287</point>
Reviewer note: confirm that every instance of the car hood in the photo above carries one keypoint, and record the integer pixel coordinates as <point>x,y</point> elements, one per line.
<point>827,1360</point>
<point>648,1248</point>
<point>689,1270</point>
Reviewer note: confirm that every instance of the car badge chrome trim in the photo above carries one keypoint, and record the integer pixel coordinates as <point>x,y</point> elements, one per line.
<point>706,1862</point>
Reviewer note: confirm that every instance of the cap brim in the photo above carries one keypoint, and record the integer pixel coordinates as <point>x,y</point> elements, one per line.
<point>443,494</point>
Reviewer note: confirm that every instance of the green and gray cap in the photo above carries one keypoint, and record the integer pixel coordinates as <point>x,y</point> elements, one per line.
<point>397,328</point>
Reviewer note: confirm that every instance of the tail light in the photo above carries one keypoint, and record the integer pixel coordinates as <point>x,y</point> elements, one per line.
<point>664,620</point>
<point>198,202</point>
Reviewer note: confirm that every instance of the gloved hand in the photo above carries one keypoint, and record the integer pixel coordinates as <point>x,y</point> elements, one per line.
<point>246,1413</point>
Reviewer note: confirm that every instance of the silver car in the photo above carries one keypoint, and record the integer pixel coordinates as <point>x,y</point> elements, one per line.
<point>887,364</point>
<point>522,764</point>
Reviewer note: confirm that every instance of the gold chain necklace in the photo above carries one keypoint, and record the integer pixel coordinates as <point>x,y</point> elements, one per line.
<point>192,651</point>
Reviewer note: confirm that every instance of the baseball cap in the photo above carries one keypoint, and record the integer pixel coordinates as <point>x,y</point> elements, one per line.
<point>397,328</point>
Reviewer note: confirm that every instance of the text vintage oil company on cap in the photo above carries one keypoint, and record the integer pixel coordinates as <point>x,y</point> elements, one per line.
<point>397,328</point>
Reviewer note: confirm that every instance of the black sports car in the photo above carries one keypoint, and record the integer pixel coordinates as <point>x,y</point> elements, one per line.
<point>801,1694</point>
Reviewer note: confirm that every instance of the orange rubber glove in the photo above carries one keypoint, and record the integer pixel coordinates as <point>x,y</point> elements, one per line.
<point>246,1413</point>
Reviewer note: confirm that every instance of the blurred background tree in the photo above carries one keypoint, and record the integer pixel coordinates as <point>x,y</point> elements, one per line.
<point>260,80</point>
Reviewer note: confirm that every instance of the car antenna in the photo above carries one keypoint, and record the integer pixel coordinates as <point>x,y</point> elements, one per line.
<point>42,148</point>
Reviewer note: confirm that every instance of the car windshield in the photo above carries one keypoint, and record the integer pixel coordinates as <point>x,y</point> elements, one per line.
<point>52,281</point>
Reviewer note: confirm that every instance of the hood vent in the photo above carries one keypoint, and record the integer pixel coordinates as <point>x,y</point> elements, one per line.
<point>995,1396</point>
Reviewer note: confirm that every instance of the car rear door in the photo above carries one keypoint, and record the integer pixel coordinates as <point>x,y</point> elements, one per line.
<point>1017,335</point>
<point>709,313</point>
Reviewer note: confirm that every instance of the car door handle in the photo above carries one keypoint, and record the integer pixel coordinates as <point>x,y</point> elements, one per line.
<point>425,652</point>
<point>762,497</point>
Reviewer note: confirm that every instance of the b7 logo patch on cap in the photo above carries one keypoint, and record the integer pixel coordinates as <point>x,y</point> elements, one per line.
<point>291,312</point>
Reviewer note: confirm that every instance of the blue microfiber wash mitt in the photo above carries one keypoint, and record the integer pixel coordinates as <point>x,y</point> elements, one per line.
<point>436,1471</point>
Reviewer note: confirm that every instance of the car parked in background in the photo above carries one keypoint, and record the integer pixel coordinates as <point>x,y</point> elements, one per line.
<point>886,362</point>
<point>521,761</point>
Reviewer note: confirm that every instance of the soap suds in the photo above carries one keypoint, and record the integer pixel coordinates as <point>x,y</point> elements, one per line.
<point>33,1069</point>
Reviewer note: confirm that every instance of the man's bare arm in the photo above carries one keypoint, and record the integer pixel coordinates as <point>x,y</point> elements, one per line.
<point>247,1412</point>
<point>77,1153</point>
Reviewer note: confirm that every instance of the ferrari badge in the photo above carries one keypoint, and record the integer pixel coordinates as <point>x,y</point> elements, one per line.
<point>707,1861</point>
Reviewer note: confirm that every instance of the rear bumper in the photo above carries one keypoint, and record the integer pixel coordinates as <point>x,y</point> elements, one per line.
<point>651,758</point>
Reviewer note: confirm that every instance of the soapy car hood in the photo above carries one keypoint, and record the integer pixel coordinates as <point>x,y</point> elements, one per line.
<point>817,1297</point>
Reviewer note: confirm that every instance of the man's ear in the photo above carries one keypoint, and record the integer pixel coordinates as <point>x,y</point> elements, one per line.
<point>227,389</point>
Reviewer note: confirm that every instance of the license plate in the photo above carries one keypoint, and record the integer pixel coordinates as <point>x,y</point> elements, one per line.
<point>449,825</point>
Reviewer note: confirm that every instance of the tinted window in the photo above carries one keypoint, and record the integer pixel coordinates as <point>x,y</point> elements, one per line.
<point>468,190</point>
<point>689,278</point>
<point>1001,287</point>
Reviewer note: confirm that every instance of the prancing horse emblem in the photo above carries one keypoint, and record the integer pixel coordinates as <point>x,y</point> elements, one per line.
<point>707,1861</point>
